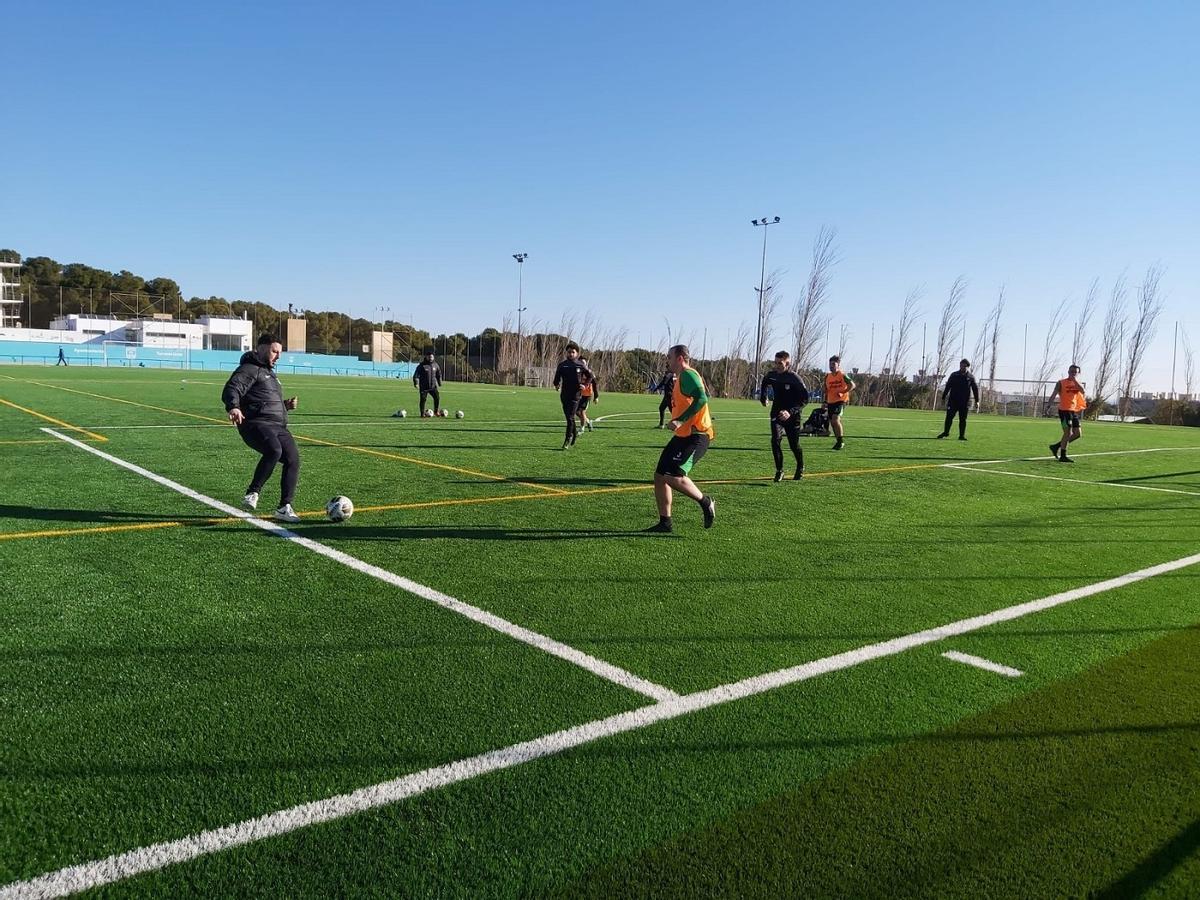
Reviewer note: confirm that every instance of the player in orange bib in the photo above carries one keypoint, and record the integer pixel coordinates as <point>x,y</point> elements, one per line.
<point>837,394</point>
<point>1071,404</point>
<point>692,424</point>
<point>588,393</point>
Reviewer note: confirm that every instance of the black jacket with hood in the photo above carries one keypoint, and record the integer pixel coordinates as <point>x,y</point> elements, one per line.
<point>254,389</point>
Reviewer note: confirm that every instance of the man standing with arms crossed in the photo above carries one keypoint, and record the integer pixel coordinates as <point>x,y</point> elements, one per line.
<point>253,399</point>
<point>837,394</point>
<point>1071,404</point>
<point>788,395</point>
<point>692,424</point>
<point>957,394</point>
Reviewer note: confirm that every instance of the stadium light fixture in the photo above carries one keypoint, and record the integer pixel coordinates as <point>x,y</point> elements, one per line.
<point>762,286</point>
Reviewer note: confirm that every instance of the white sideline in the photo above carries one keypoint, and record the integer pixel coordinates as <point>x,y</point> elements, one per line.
<point>980,663</point>
<point>1115,484</point>
<point>594,665</point>
<point>85,876</point>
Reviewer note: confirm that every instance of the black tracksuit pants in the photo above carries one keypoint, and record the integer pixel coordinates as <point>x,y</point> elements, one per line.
<point>792,429</point>
<point>959,410</point>
<point>426,393</point>
<point>276,445</point>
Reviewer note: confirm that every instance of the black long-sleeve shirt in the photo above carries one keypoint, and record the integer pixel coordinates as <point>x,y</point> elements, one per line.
<point>568,379</point>
<point>788,392</point>
<point>666,383</point>
<point>959,388</point>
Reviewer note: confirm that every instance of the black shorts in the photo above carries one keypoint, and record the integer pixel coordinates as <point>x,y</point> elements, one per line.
<point>582,404</point>
<point>1068,419</point>
<point>835,409</point>
<point>681,453</point>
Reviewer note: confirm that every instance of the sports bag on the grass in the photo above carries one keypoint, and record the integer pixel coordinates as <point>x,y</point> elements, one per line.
<point>817,423</point>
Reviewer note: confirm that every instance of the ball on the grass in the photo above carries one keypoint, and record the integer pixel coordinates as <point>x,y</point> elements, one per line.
<point>400,414</point>
<point>339,509</point>
<point>428,414</point>
<point>442,413</point>
<point>459,414</point>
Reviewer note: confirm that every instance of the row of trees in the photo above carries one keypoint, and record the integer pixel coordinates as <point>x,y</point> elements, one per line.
<point>1113,357</point>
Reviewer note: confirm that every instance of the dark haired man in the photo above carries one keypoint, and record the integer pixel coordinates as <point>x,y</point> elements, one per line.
<point>960,387</point>
<point>428,378</point>
<point>253,399</point>
<point>568,378</point>
<point>692,424</point>
<point>837,394</point>
<point>788,396</point>
<point>1071,404</point>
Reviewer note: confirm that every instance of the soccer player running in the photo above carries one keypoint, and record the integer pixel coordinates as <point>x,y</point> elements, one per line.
<point>253,399</point>
<point>837,394</point>
<point>568,378</point>
<point>665,384</point>
<point>788,396</point>
<point>1071,404</point>
<point>960,386</point>
<point>428,378</point>
<point>587,392</point>
<point>692,424</point>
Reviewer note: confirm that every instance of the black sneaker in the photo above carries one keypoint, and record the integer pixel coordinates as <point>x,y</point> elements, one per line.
<point>660,528</point>
<point>1054,448</point>
<point>839,445</point>
<point>799,474</point>
<point>566,445</point>
<point>962,437</point>
<point>943,435</point>
<point>778,475</point>
<point>710,511</point>
<point>1065,458</point>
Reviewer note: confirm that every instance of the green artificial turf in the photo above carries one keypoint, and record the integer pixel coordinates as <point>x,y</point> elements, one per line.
<point>158,682</point>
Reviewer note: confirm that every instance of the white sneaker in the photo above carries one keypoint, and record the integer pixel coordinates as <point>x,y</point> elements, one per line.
<point>250,501</point>
<point>285,513</point>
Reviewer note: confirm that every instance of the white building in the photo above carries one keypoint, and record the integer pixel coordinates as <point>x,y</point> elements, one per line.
<point>10,295</point>
<point>227,333</point>
<point>162,332</point>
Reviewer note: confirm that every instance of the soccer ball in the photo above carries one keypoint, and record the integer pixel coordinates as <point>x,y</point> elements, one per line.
<point>428,413</point>
<point>400,414</point>
<point>459,414</point>
<point>442,413</point>
<point>339,509</point>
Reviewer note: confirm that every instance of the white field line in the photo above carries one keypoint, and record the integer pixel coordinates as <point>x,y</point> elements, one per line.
<point>980,663</point>
<point>592,664</point>
<point>1111,484</point>
<point>85,876</point>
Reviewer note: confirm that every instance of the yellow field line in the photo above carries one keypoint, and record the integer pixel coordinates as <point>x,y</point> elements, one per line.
<point>33,441</point>
<point>60,532</point>
<point>54,421</point>
<point>177,412</point>
<point>311,440</point>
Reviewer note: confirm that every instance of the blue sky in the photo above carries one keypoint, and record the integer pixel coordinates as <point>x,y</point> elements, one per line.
<point>366,154</point>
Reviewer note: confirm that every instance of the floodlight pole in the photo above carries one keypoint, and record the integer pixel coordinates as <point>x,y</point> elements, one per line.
<point>520,258</point>
<point>762,286</point>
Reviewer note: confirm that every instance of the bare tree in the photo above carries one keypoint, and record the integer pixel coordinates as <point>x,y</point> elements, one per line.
<point>1189,368</point>
<point>987,342</point>
<point>770,306</point>
<point>1081,346</point>
<point>901,343</point>
<point>808,316</point>
<point>1145,324</point>
<point>736,370</point>
<point>997,314</point>
<point>949,332</point>
<point>843,340</point>
<point>1110,343</point>
<point>1051,359</point>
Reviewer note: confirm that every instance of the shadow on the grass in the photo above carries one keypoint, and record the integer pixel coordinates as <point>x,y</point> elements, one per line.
<point>105,516</point>
<point>1153,868</point>
<point>462,532</point>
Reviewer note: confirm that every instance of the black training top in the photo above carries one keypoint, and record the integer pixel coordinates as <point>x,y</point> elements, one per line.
<point>254,389</point>
<point>567,378</point>
<point>427,376</point>
<point>959,388</point>
<point>789,392</point>
<point>666,383</point>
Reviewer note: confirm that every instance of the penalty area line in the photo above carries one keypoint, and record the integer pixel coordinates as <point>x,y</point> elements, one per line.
<point>118,867</point>
<point>596,666</point>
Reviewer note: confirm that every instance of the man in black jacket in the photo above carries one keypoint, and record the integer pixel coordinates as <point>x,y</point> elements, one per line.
<point>568,378</point>
<point>788,396</point>
<point>428,378</point>
<point>960,387</point>
<point>254,400</point>
<point>665,385</point>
